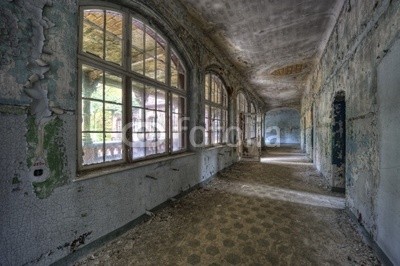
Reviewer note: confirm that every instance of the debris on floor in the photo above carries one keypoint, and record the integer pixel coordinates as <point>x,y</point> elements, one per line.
<point>231,221</point>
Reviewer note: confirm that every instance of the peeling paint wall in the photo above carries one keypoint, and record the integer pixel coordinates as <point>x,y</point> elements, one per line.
<point>363,35</point>
<point>46,217</point>
<point>288,123</point>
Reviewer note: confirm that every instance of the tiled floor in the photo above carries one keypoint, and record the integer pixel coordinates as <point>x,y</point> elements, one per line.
<point>274,212</point>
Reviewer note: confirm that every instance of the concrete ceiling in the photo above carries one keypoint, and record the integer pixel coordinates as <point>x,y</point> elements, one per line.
<point>274,43</point>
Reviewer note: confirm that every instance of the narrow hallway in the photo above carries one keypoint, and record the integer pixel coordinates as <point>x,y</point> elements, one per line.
<point>274,212</point>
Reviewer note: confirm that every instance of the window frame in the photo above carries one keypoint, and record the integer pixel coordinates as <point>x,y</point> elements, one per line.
<point>129,76</point>
<point>209,104</point>
<point>242,101</point>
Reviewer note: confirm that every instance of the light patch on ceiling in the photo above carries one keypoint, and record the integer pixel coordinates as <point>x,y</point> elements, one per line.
<point>289,70</point>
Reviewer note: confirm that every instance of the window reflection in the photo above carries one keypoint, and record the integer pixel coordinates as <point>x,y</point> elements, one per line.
<point>102,34</point>
<point>215,110</point>
<point>135,74</point>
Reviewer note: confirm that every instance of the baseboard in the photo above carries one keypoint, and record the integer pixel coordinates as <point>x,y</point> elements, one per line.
<point>85,250</point>
<point>384,259</point>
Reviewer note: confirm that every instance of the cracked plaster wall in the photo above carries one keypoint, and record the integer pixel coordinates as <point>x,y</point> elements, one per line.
<point>43,221</point>
<point>363,35</point>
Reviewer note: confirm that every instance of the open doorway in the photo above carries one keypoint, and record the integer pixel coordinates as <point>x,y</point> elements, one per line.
<point>312,133</point>
<point>339,143</point>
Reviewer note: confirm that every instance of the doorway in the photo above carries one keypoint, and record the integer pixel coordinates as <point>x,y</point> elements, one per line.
<point>339,143</point>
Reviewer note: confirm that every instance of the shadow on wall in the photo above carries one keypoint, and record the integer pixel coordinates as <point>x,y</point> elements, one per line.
<point>282,127</point>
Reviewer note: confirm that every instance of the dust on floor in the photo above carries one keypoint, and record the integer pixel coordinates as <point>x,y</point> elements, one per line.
<point>274,212</point>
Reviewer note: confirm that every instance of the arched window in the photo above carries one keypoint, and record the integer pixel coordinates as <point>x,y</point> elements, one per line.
<point>242,105</point>
<point>128,70</point>
<point>216,110</point>
<point>252,123</point>
<point>252,108</point>
<point>242,110</point>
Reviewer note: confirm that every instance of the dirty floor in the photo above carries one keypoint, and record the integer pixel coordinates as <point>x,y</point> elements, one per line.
<point>274,212</point>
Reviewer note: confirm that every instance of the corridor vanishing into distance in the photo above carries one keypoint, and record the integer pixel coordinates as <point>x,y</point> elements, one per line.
<point>278,211</point>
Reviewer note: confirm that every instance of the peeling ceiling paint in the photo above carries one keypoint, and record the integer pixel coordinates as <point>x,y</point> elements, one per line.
<point>266,37</point>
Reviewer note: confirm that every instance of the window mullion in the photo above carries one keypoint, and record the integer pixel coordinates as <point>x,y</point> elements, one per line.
<point>168,116</point>
<point>168,65</point>
<point>127,94</point>
<point>127,35</point>
<point>144,49</point>
<point>127,89</point>
<point>104,34</point>
<point>104,116</point>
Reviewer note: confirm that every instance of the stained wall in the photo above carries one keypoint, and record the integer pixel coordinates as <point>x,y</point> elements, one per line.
<point>362,38</point>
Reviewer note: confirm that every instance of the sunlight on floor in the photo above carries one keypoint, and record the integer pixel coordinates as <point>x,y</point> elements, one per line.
<point>292,160</point>
<point>275,193</point>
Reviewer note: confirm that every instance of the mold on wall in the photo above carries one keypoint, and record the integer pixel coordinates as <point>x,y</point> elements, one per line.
<point>287,122</point>
<point>362,37</point>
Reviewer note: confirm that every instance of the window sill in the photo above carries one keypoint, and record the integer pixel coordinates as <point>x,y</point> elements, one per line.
<point>217,146</point>
<point>120,168</point>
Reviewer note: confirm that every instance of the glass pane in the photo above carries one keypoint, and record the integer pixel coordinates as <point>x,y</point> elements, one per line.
<point>150,48</point>
<point>92,152</point>
<point>213,92</point>
<point>174,74</point>
<point>207,87</point>
<point>176,141</point>
<point>181,78</point>
<point>137,62</point>
<point>92,116</point>
<point>150,101</point>
<point>161,143</point>
<point>175,123</point>
<point>113,88</point>
<point>113,150</point>
<point>219,92</point>
<point>160,71</point>
<point>151,143</point>
<point>138,145</point>
<point>161,122</point>
<point>137,94</point>
<point>207,111</point>
<point>113,116</point>
<point>114,37</point>
<point>137,120</point>
<point>93,32</point>
<point>207,123</point>
<point>150,121</point>
<point>177,72</point>
<point>92,82</point>
<point>217,114</point>
<point>225,119</point>
<point>137,46</point>
<point>137,35</point>
<point>161,62</point>
<point>177,104</point>
<point>225,98</point>
<point>161,100</point>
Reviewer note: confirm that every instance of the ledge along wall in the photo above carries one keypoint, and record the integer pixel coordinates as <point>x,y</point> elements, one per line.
<point>364,36</point>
